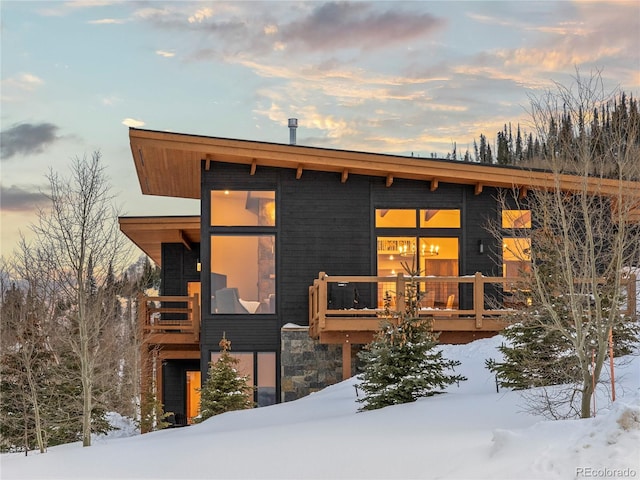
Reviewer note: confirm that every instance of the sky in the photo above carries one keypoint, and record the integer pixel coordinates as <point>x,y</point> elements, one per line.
<point>471,432</point>
<point>389,77</point>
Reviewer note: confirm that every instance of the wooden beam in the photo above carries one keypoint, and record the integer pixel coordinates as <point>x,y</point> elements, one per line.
<point>254,163</point>
<point>184,240</point>
<point>345,175</point>
<point>339,337</point>
<point>389,180</point>
<point>434,185</point>
<point>478,188</point>
<point>299,172</point>
<point>207,163</point>
<point>523,192</point>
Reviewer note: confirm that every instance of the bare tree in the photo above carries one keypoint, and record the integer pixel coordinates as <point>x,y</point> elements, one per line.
<point>26,354</point>
<point>586,233</point>
<point>82,242</point>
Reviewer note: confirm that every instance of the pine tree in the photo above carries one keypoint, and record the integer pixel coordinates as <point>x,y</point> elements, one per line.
<point>540,346</point>
<point>402,363</point>
<point>225,389</point>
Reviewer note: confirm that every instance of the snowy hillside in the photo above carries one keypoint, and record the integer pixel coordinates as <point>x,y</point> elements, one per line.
<point>472,432</point>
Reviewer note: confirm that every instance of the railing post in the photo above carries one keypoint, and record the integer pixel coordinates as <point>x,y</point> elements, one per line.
<point>322,299</point>
<point>195,316</point>
<point>400,292</point>
<point>478,298</point>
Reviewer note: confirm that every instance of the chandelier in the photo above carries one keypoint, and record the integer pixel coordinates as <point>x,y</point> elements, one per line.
<point>425,250</point>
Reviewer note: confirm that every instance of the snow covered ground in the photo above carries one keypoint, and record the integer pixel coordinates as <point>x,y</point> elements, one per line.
<point>472,432</point>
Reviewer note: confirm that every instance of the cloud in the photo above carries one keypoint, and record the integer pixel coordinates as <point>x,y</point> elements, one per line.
<point>26,139</point>
<point>354,25</point>
<point>108,21</point>
<point>21,199</point>
<point>201,15</point>
<point>132,122</point>
<point>165,54</point>
<point>110,100</point>
<point>24,81</point>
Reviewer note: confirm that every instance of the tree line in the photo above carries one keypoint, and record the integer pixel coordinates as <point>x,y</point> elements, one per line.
<point>603,126</point>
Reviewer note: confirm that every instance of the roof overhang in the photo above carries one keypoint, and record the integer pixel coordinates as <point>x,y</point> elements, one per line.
<point>149,233</point>
<point>169,164</point>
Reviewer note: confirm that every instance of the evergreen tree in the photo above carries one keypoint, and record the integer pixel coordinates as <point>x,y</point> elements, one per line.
<point>225,389</point>
<point>403,363</point>
<point>502,154</point>
<point>518,155</point>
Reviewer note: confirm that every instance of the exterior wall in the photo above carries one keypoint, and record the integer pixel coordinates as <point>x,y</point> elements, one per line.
<point>326,225</point>
<point>178,268</point>
<point>175,388</point>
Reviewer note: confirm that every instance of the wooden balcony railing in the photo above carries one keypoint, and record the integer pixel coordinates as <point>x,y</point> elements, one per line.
<point>486,314</point>
<point>171,319</point>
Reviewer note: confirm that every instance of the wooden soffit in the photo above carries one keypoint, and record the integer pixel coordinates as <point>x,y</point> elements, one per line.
<point>169,164</point>
<point>149,233</point>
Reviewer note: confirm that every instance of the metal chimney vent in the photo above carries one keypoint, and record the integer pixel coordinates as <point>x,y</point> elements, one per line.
<point>293,124</point>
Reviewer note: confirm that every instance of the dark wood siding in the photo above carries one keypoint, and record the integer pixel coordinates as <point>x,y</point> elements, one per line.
<point>325,225</point>
<point>174,393</point>
<point>178,268</point>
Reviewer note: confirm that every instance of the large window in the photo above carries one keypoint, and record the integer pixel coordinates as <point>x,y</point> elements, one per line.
<point>420,236</point>
<point>243,276</point>
<point>516,244</point>
<point>260,367</point>
<point>243,255</point>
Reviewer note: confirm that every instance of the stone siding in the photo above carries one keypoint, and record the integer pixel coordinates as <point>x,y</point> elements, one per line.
<point>306,365</point>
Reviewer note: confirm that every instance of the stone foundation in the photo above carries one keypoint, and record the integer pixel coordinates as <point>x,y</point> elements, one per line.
<point>306,365</point>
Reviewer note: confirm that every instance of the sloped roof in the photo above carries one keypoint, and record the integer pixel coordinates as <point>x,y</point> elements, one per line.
<point>168,164</point>
<point>149,233</point>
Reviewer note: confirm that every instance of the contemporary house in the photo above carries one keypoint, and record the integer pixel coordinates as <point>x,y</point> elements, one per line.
<point>296,248</point>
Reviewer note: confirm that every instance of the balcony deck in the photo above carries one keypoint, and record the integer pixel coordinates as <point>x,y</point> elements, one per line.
<point>337,325</point>
<point>486,318</point>
<point>170,320</point>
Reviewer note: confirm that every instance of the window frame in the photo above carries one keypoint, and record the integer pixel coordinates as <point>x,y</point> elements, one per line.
<point>244,230</point>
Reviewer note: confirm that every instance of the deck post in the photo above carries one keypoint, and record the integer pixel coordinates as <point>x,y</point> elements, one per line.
<point>478,298</point>
<point>322,299</point>
<point>346,360</point>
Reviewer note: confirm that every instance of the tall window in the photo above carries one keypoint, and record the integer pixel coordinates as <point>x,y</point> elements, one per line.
<point>243,276</point>
<point>516,244</point>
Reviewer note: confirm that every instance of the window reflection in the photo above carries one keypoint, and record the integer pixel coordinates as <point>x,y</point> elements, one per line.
<point>516,245</point>
<point>440,218</point>
<point>516,256</point>
<point>265,384</point>
<point>516,218</point>
<point>243,274</point>
<point>389,217</point>
<point>243,208</point>
<point>433,256</point>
